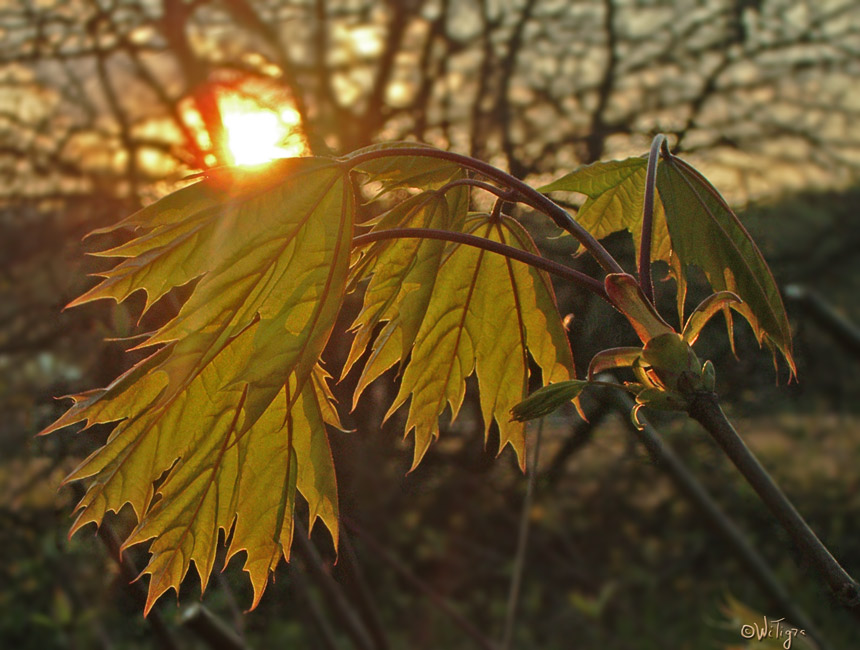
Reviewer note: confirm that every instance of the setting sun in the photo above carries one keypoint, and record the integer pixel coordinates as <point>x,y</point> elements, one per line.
<point>257,134</point>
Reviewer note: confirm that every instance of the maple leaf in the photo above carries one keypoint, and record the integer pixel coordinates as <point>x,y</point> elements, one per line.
<point>693,225</point>
<point>402,275</point>
<point>224,423</point>
<point>476,292</point>
<point>232,406</point>
<point>401,171</point>
<point>706,233</point>
<point>615,192</point>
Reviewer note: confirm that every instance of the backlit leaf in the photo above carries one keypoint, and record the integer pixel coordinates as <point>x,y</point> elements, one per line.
<point>404,273</point>
<point>611,359</point>
<point>625,294</point>
<point>706,233</point>
<point>486,314</point>
<point>693,225</point>
<point>616,196</point>
<point>704,312</point>
<point>396,172</point>
<point>232,406</point>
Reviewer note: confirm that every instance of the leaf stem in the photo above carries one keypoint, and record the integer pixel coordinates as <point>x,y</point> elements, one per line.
<point>501,192</point>
<point>645,281</point>
<point>706,410</point>
<point>577,277</point>
<point>528,195</point>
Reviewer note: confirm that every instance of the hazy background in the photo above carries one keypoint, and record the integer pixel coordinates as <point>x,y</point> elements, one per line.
<point>107,105</point>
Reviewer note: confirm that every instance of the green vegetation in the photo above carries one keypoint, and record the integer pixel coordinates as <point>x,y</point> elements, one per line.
<point>223,424</point>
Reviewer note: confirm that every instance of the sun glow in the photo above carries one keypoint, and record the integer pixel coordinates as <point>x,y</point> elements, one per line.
<point>256,134</point>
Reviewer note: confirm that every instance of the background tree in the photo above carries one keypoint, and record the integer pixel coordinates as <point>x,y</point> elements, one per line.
<point>107,105</point>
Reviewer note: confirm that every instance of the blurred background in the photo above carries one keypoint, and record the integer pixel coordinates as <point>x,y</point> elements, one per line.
<point>106,105</point>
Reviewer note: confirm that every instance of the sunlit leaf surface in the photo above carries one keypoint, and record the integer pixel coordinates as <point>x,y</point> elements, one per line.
<point>224,423</point>
<point>232,405</point>
<point>615,191</point>
<point>485,315</point>
<point>222,426</point>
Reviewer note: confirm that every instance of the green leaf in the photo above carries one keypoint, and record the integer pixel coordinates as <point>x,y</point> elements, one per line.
<point>232,406</point>
<point>396,172</point>
<point>486,314</point>
<point>658,399</point>
<point>706,233</point>
<point>692,225</point>
<point>403,274</point>
<point>672,362</point>
<point>616,195</point>
<point>547,399</point>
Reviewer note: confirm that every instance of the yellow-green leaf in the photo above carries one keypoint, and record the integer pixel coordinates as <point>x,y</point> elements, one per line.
<point>404,272</point>
<point>547,399</point>
<point>616,196</point>
<point>486,314</point>
<point>613,358</point>
<point>232,405</point>
<point>395,172</point>
<point>704,312</point>
<point>625,294</point>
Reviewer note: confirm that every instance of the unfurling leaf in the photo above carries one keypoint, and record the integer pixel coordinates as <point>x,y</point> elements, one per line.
<point>671,363</point>
<point>625,294</point>
<point>706,233</point>
<point>704,312</point>
<point>659,399</point>
<point>224,423</point>
<point>232,405</point>
<point>547,399</point>
<point>693,225</point>
<point>613,358</point>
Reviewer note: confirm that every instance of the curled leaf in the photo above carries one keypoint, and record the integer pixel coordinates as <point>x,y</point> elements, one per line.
<point>672,362</point>
<point>705,311</point>
<point>613,358</point>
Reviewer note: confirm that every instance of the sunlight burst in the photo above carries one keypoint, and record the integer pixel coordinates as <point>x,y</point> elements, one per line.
<point>256,134</point>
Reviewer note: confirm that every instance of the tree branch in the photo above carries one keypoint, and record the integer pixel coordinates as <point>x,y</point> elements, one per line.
<point>522,544</point>
<point>403,571</point>
<point>694,491</point>
<point>705,409</point>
